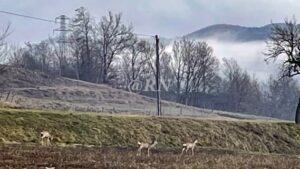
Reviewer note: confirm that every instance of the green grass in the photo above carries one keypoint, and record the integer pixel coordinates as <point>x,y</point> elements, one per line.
<point>124,131</point>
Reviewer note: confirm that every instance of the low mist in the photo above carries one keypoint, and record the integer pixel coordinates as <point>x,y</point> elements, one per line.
<point>249,55</point>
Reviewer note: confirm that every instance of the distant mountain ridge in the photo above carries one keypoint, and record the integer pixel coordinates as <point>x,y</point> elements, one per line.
<point>227,32</point>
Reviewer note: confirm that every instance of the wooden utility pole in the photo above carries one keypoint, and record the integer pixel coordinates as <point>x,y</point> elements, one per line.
<point>297,116</point>
<point>157,76</point>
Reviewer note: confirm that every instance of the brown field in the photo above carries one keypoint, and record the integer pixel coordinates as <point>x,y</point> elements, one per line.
<point>37,157</point>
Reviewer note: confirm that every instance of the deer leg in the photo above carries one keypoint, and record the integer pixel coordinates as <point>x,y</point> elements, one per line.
<point>182,151</point>
<point>148,152</point>
<point>192,151</point>
<point>139,152</point>
<point>187,151</point>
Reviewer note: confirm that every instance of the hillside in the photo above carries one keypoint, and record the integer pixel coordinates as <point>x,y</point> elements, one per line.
<point>124,131</point>
<point>236,33</point>
<point>35,90</point>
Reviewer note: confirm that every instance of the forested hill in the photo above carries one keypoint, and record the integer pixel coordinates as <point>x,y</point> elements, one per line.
<point>229,32</point>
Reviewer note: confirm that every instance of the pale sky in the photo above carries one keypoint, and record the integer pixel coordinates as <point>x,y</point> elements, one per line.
<point>167,18</point>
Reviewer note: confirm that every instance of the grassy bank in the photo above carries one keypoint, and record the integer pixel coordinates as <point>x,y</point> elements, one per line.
<point>124,131</point>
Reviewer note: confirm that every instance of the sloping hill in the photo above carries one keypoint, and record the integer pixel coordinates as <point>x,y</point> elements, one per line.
<point>228,32</point>
<point>13,77</point>
<point>35,90</point>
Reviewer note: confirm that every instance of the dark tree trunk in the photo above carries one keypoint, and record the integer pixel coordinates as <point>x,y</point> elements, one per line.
<point>297,117</point>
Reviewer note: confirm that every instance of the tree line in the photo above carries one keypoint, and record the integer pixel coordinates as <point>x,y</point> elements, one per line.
<point>107,51</point>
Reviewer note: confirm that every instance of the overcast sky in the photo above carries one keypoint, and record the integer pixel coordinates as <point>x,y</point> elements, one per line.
<point>168,18</point>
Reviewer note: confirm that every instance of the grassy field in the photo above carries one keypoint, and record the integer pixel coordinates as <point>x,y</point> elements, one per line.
<point>124,131</point>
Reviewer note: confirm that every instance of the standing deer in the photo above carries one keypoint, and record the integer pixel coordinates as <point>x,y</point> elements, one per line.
<point>46,136</point>
<point>147,146</point>
<point>188,146</point>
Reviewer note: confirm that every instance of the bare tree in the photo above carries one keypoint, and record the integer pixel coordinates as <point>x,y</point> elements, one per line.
<point>285,42</point>
<point>149,54</point>
<point>81,39</point>
<point>207,73</point>
<point>76,51</point>
<point>60,53</point>
<point>44,54</point>
<point>16,55</point>
<point>133,60</point>
<point>26,57</point>
<point>177,67</point>
<point>184,66</point>
<point>114,37</point>
<point>190,62</point>
<point>3,45</point>
<point>281,95</point>
<point>165,67</point>
<point>237,86</point>
<point>194,64</point>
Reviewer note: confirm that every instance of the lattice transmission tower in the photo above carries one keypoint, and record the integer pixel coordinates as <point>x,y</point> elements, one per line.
<point>62,39</point>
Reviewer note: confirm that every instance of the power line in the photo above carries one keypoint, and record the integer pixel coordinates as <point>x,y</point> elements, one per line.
<point>52,21</point>
<point>139,34</point>
<point>27,16</point>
